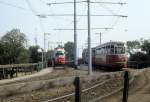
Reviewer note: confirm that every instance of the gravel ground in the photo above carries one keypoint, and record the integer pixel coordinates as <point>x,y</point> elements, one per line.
<point>42,95</point>
<point>139,90</point>
<point>45,75</point>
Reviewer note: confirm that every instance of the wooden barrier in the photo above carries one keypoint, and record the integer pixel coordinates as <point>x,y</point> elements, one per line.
<point>17,65</point>
<point>126,87</point>
<point>8,71</point>
<point>77,89</point>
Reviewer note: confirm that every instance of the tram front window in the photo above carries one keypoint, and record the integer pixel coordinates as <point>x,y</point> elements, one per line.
<point>59,54</point>
<point>119,50</point>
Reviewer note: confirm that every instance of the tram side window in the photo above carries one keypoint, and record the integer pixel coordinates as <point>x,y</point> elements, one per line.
<point>103,50</point>
<point>115,50</point>
<point>107,49</point>
<point>120,50</point>
<point>98,51</point>
<point>111,49</point>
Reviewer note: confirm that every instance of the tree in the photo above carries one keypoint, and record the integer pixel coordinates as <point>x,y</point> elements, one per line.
<point>13,45</point>
<point>146,46</point>
<point>69,48</point>
<point>34,54</point>
<point>142,58</point>
<point>131,45</point>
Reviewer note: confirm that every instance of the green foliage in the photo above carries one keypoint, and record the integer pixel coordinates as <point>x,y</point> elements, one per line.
<point>139,57</point>
<point>133,44</point>
<point>13,49</point>
<point>34,54</point>
<point>146,47</point>
<point>69,48</point>
<point>143,59</point>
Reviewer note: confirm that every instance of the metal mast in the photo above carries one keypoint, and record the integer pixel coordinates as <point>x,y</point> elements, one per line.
<point>75,37</point>
<point>100,35</point>
<point>89,40</point>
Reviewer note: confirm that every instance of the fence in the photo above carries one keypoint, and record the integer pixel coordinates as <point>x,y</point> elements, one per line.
<point>8,71</point>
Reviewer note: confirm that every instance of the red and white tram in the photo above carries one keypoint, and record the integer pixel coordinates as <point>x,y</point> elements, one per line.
<point>59,58</point>
<point>111,54</point>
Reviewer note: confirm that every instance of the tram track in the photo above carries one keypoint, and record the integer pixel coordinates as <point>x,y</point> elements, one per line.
<point>97,92</point>
<point>137,90</point>
<point>91,93</point>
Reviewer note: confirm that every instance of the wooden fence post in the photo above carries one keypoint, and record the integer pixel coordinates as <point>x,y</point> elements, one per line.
<point>126,87</point>
<point>77,89</point>
<point>25,70</point>
<point>16,71</point>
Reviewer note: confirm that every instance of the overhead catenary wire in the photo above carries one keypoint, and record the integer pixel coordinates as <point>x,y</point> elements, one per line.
<point>35,13</point>
<point>31,8</point>
<point>115,22</point>
<point>15,6</point>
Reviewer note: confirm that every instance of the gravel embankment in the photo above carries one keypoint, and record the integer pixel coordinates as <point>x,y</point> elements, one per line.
<point>47,90</point>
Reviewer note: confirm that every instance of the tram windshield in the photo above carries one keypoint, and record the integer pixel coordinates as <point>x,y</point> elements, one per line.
<point>59,54</point>
<point>119,50</point>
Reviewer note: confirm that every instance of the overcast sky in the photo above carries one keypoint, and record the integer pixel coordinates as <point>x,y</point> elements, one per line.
<point>18,14</point>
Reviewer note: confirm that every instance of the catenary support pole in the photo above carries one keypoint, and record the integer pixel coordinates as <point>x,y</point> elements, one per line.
<point>89,41</point>
<point>75,37</point>
<point>100,38</point>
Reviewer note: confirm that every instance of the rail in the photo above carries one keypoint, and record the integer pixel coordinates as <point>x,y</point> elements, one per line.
<point>101,97</point>
<point>71,94</point>
<point>90,88</point>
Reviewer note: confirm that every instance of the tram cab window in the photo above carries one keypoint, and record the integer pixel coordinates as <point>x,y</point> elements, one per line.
<point>119,50</point>
<point>58,54</point>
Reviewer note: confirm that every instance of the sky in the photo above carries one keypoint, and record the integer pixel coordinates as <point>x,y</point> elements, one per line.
<point>19,14</point>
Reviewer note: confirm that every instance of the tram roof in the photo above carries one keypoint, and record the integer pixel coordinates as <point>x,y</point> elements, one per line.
<point>109,43</point>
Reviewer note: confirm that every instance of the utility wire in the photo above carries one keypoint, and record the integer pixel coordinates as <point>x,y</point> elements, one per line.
<point>31,8</point>
<point>108,9</point>
<point>12,5</point>
<point>115,22</point>
<point>35,13</point>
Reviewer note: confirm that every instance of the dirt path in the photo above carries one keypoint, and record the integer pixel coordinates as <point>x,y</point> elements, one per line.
<point>143,93</point>
<point>139,90</point>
